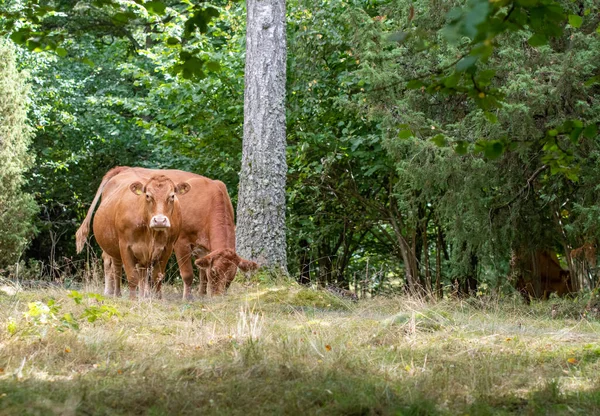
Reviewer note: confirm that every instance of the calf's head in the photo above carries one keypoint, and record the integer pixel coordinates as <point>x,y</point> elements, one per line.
<point>221,266</point>
<point>160,194</point>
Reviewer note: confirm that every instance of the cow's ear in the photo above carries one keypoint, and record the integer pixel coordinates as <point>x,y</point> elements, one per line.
<point>182,188</point>
<point>204,262</point>
<point>137,188</point>
<point>247,265</point>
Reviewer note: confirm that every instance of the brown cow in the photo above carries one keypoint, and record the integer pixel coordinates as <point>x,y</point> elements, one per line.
<point>208,232</point>
<point>539,274</point>
<point>136,225</point>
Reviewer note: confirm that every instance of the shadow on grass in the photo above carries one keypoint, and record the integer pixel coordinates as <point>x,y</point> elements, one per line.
<point>260,389</point>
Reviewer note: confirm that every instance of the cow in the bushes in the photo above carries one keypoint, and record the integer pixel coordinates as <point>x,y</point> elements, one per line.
<point>538,274</point>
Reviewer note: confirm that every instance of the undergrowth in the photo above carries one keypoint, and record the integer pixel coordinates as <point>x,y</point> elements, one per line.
<point>284,349</point>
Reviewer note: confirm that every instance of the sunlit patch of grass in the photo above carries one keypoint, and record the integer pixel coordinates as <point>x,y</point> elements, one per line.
<point>285,349</point>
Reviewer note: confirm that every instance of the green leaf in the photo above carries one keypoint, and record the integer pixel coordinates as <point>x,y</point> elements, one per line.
<point>20,37</point>
<point>537,40</point>
<point>439,140</point>
<point>591,131</point>
<point>121,18</point>
<point>491,117</point>
<point>461,147</point>
<point>574,134</point>
<point>62,52</point>
<point>76,296</point>
<point>405,134</point>
<point>414,84</point>
<point>484,78</point>
<point>552,132</point>
<point>88,62</point>
<point>155,7</point>
<point>355,143</point>
<point>466,63</point>
<point>593,80</point>
<point>452,80</point>
<point>575,21</point>
<point>527,3</point>
<point>572,175</point>
<point>213,66</point>
<point>492,149</point>
<point>398,37</point>
<point>372,170</point>
<point>172,41</point>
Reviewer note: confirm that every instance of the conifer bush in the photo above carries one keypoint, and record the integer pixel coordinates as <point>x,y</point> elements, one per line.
<point>17,207</point>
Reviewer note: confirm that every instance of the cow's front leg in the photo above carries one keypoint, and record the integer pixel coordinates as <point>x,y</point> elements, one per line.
<point>203,274</point>
<point>159,265</point>
<point>131,270</point>
<point>145,274</point>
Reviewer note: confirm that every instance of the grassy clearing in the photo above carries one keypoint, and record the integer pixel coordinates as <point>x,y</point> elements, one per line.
<point>289,350</point>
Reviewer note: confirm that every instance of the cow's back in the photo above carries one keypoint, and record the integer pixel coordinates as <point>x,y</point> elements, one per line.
<point>208,214</point>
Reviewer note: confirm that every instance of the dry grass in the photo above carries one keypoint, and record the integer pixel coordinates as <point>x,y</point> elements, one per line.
<point>289,350</point>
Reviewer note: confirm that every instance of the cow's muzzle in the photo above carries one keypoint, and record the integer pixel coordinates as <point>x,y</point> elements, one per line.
<point>160,222</point>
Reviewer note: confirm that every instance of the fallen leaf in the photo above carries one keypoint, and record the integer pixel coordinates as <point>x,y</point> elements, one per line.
<point>67,349</point>
<point>328,347</point>
<point>572,360</point>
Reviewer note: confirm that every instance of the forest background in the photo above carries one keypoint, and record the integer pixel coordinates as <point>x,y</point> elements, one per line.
<point>416,158</point>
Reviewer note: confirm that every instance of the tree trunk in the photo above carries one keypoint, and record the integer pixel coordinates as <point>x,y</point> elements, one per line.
<point>471,282</point>
<point>260,230</point>
<point>304,263</point>
<point>325,264</point>
<point>428,287</point>
<point>410,266</point>
<point>438,264</point>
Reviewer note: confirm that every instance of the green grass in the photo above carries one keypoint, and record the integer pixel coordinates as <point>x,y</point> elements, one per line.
<point>294,351</point>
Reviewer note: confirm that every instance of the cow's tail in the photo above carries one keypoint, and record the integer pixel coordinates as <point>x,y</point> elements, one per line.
<point>82,233</point>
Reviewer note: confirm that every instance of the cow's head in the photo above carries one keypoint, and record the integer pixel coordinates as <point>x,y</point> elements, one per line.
<point>221,266</point>
<point>160,194</point>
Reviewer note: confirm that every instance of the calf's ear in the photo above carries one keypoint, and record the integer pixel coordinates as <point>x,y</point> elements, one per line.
<point>247,265</point>
<point>182,188</point>
<point>205,262</point>
<point>137,188</point>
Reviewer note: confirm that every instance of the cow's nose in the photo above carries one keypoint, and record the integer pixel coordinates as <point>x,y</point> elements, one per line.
<point>159,221</point>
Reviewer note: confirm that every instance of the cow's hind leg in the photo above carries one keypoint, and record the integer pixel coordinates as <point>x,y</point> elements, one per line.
<point>109,282</point>
<point>117,273</point>
<point>113,270</point>
<point>183,252</point>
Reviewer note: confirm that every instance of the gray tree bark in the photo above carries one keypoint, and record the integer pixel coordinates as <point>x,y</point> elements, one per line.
<point>260,233</point>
